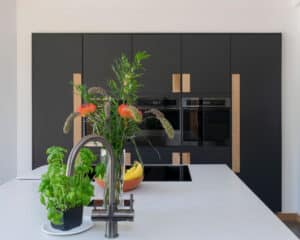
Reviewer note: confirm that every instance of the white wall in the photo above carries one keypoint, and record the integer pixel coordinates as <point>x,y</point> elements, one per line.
<point>166,16</point>
<point>291,113</point>
<point>297,109</point>
<point>8,86</point>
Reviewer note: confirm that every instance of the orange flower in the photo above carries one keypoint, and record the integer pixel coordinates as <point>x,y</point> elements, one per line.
<point>124,111</point>
<point>86,109</point>
<point>130,112</point>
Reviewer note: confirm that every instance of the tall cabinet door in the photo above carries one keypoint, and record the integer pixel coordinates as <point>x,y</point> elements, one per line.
<point>257,58</point>
<point>162,76</point>
<point>55,57</point>
<point>206,65</point>
<point>99,52</point>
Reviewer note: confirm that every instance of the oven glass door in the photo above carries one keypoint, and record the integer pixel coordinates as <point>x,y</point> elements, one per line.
<point>193,126</point>
<point>153,124</point>
<point>153,131</point>
<point>216,121</point>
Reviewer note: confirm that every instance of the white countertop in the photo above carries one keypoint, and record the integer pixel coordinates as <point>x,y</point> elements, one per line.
<point>215,205</point>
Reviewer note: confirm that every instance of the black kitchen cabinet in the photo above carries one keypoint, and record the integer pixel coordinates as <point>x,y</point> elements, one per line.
<point>201,63</point>
<point>149,155</point>
<point>208,154</point>
<point>163,63</point>
<point>55,57</point>
<point>206,58</point>
<point>257,58</point>
<point>99,53</point>
<point>197,155</point>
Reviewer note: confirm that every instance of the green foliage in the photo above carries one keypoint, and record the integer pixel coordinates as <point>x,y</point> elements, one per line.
<point>169,130</point>
<point>59,192</point>
<point>100,170</point>
<point>69,121</point>
<point>167,127</point>
<point>82,89</point>
<point>106,121</point>
<point>127,73</point>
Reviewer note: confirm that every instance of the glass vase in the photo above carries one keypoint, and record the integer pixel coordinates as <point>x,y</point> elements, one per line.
<point>119,171</point>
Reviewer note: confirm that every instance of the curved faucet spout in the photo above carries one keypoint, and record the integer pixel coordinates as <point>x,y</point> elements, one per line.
<point>75,150</point>
<point>112,214</point>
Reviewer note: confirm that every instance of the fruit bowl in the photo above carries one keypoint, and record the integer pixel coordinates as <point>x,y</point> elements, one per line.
<point>132,179</point>
<point>127,186</point>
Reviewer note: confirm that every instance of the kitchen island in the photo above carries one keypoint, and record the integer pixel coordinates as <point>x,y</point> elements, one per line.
<point>215,205</point>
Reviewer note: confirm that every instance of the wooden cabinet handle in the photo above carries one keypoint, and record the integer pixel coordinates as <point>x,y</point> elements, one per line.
<point>236,155</point>
<point>186,158</point>
<point>176,83</point>
<point>186,82</point>
<point>127,158</point>
<point>77,128</point>
<point>176,158</point>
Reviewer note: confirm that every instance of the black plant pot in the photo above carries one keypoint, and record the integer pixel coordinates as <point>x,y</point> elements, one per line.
<point>71,218</point>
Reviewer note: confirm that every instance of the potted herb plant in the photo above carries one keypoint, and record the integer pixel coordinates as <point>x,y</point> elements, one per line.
<point>113,114</point>
<point>64,197</point>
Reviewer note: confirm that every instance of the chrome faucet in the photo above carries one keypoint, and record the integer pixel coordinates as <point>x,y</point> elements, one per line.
<point>110,213</point>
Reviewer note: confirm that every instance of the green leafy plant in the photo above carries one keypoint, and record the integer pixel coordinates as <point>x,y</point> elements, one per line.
<point>59,192</point>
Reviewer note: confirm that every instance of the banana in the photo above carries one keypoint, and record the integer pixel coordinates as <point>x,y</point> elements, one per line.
<point>136,171</point>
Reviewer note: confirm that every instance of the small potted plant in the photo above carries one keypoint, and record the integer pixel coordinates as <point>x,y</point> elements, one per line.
<point>64,197</point>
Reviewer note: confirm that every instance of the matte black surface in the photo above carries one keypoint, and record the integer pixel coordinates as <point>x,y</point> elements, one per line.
<point>167,174</point>
<point>258,59</point>
<point>100,51</point>
<point>164,61</point>
<point>153,155</point>
<point>55,57</point>
<point>209,154</point>
<point>198,154</point>
<point>207,58</point>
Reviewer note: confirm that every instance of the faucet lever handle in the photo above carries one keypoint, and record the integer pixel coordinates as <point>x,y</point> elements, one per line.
<point>131,202</point>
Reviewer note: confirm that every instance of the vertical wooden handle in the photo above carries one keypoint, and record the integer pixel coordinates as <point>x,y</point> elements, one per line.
<point>186,82</point>
<point>176,158</point>
<point>236,155</point>
<point>186,158</point>
<point>175,82</point>
<point>77,128</point>
<point>127,158</point>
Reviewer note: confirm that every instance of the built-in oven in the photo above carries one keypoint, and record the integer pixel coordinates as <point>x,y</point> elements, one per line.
<point>206,121</point>
<point>151,128</point>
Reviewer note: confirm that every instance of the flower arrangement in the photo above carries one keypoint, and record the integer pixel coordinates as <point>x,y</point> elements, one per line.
<point>112,113</point>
